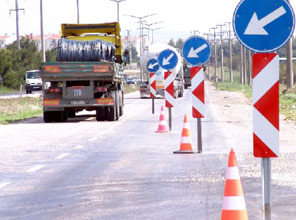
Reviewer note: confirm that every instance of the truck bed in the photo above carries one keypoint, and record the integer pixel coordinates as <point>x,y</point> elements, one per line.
<point>102,70</point>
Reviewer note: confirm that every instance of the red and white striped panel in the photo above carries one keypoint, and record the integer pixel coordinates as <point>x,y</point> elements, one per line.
<point>266,105</point>
<point>152,82</point>
<point>198,92</point>
<point>169,89</point>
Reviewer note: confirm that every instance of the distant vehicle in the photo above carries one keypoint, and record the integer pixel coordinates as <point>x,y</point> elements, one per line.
<point>152,52</point>
<point>130,80</point>
<point>144,90</point>
<point>187,79</point>
<point>33,81</point>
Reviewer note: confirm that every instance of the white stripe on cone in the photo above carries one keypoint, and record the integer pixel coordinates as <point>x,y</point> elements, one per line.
<point>186,140</point>
<point>232,173</point>
<point>234,203</point>
<point>186,125</point>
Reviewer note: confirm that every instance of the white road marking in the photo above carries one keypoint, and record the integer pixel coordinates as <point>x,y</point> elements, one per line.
<point>61,156</point>
<point>35,168</point>
<point>4,184</point>
<point>93,139</point>
<point>78,147</point>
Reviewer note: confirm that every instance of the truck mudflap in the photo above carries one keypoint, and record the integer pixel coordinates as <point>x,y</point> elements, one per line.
<point>78,103</point>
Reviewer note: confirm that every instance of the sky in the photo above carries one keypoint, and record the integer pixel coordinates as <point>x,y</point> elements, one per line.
<point>179,18</point>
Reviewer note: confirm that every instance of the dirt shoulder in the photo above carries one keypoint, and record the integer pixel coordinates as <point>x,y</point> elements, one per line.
<point>234,107</point>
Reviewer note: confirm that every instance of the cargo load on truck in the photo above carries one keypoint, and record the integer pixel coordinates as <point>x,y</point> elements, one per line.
<point>87,75</point>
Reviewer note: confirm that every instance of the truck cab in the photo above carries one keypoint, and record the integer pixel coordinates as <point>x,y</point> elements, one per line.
<point>33,81</point>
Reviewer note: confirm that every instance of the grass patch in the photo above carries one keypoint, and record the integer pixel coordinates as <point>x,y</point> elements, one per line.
<point>288,103</point>
<point>131,88</point>
<point>6,90</point>
<point>15,109</point>
<point>235,87</point>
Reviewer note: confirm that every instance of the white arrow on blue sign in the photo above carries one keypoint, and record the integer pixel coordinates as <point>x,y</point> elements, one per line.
<point>265,25</point>
<point>152,65</point>
<point>196,51</point>
<point>167,59</point>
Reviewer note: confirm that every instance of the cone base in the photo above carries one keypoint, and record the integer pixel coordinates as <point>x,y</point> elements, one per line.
<point>161,131</point>
<point>183,152</point>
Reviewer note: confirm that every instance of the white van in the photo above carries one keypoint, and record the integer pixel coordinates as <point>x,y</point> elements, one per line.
<point>33,81</point>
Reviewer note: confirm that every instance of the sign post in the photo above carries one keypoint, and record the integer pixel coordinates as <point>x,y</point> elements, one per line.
<point>197,51</point>
<point>168,60</point>
<point>265,26</point>
<point>152,67</point>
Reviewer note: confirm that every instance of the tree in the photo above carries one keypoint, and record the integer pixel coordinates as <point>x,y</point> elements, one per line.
<point>51,55</point>
<point>5,62</point>
<point>27,58</point>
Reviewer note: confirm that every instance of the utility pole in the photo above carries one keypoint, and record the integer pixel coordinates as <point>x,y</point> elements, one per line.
<point>141,21</point>
<point>77,11</point>
<point>129,44</point>
<point>250,67</point>
<point>222,56</point>
<point>242,64</point>
<point>117,1</point>
<point>208,75</point>
<point>17,9</point>
<point>152,33</point>
<point>245,65</point>
<point>215,54</point>
<point>290,76</point>
<point>230,53</point>
<point>149,29</point>
<point>42,34</point>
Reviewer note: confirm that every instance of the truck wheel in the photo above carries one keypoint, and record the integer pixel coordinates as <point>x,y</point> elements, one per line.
<point>71,113</point>
<point>111,114</point>
<point>116,106</point>
<point>47,117</point>
<point>120,110</point>
<point>100,114</point>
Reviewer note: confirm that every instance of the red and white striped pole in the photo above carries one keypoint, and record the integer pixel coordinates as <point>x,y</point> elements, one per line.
<point>266,105</point>
<point>266,118</point>
<point>169,94</point>
<point>152,83</point>
<point>198,100</point>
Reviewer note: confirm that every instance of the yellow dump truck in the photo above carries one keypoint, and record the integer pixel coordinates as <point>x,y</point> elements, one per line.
<point>87,75</point>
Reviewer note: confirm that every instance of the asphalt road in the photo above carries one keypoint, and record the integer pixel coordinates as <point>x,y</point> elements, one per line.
<point>83,169</point>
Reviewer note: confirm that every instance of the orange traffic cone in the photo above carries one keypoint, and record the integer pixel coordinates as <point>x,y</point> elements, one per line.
<point>186,143</point>
<point>234,206</point>
<point>162,127</point>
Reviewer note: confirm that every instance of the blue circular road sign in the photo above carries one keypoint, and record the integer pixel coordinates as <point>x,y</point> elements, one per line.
<point>196,51</point>
<point>167,59</point>
<point>265,25</point>
<point>152,65</point>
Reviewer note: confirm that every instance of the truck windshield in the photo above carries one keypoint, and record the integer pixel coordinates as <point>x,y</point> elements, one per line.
<point>33,75</point>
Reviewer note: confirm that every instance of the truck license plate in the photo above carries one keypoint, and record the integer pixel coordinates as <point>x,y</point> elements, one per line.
<point>78,102</point>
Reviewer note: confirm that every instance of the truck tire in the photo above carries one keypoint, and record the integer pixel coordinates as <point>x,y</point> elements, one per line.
<point>122,103</point>
<point>47,117</point>
<point>111,115</point>
<point>71,113</point>
<point>101,114</point>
